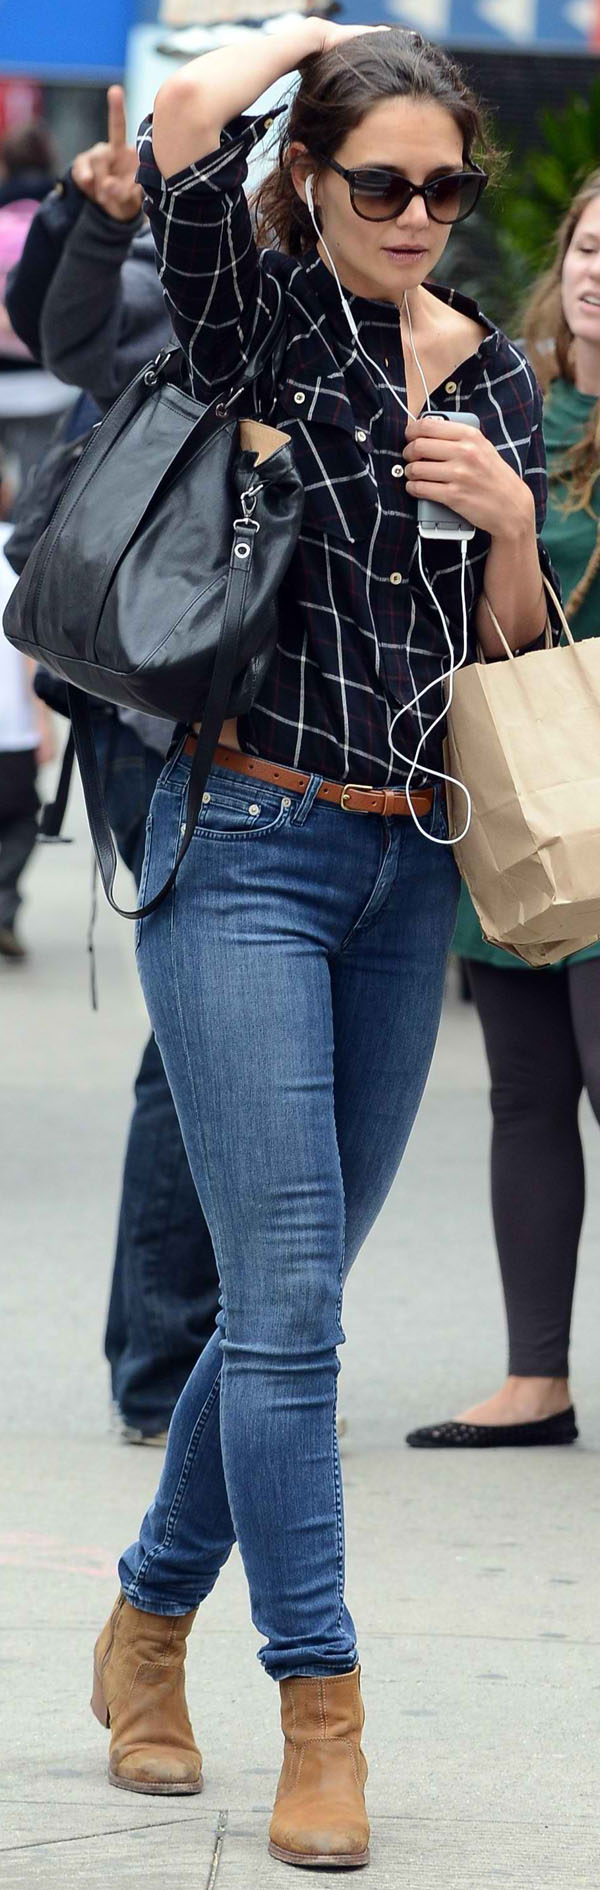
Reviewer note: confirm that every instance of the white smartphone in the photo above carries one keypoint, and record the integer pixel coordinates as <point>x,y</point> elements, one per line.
<point>439,521</point>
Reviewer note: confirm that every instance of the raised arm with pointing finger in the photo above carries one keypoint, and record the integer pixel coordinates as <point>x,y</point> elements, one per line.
<point>86,296</point>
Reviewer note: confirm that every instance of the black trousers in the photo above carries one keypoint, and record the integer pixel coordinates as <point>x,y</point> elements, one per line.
<point>18,826</point>
<point>542,1037</point>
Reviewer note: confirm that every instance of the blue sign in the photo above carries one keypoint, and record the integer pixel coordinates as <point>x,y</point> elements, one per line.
<point>40,39</point>
<point>522,22</point>
<point>494,23</point>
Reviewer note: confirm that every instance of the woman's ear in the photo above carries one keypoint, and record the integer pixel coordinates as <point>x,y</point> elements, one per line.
<point>301,166</point>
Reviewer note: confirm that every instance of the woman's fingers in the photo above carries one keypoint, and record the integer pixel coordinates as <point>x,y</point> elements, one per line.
<point>426,448</point>
<point>438,493</point>
<point>433,427</point>
<point>82,173</point>
<point>333,34</point>
<point>432,469</point>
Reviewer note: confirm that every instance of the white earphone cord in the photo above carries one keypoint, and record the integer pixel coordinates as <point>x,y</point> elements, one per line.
<point>413,765</point>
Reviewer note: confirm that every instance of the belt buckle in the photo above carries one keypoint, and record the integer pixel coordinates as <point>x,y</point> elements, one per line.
<point>356,787</point>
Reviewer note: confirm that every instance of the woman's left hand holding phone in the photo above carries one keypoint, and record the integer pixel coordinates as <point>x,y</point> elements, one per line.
<point>457,466</point>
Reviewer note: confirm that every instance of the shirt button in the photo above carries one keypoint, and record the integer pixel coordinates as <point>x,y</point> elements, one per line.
<point>451,387</point>
<point>299,399</point>
<point>395,577</point>
<point>397,472</point>
<point>360,435</point>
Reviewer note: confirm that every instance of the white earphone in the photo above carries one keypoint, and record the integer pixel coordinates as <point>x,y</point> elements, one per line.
<point>414,703</point>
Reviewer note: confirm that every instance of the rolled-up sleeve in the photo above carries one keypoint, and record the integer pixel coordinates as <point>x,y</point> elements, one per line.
<point>220,299</point>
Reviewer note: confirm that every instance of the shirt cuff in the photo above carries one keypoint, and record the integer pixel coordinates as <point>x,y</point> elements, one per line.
<point>223,170</point>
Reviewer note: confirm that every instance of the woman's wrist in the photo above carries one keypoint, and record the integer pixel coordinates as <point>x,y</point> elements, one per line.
<point>305,37</point>
<point>517,525</point>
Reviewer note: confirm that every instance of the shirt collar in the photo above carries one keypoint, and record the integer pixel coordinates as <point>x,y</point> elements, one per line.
<point>382,314</point>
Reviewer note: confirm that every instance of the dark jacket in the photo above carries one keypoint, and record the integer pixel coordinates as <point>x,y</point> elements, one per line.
<point>85,296</point>
<point>32,184</point>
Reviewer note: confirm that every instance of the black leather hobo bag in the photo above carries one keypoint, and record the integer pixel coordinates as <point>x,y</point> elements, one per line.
<point>155,584</point>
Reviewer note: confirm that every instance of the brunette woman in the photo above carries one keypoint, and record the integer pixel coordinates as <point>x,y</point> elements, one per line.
<point>542,1028</point>
<point>299,967</point>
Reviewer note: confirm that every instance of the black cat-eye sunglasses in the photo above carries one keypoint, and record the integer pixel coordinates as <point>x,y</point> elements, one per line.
<point>379,195</point>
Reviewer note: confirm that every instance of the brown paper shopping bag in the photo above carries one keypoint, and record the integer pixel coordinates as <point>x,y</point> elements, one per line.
<point>524,738</point>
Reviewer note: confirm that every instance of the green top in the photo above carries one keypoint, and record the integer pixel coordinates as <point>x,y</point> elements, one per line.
<point>570,540</point>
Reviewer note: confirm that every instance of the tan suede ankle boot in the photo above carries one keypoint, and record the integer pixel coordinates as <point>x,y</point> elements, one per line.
<point>139,1692</point>
<point>320,1816</point>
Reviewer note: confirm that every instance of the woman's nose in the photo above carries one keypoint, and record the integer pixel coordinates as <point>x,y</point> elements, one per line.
<point>414,220</point>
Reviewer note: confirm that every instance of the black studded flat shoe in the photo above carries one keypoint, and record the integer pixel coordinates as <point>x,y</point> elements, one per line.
<point>561,1429</point>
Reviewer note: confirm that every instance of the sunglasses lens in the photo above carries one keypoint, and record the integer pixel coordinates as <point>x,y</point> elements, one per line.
<point>377,195</point>
<point>452,199</point>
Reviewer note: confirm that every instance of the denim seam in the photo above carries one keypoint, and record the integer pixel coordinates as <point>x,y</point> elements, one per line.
<point>197,1112</point>
<point>190,1455</point>
<point>362,922</point>
<point>186,1055</point>
<point>336,1455</point>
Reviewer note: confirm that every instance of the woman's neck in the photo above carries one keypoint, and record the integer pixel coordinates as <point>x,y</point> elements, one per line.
<point>586,367</point>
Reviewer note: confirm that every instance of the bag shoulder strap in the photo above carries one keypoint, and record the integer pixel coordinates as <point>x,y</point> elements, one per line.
<point>53,812</point>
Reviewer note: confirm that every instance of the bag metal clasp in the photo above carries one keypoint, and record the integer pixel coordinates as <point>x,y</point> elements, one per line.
<point>154,371</point>
<point>248,503</point>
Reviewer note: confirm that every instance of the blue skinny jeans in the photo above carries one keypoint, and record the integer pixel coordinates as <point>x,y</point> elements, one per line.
<point>294,979</point>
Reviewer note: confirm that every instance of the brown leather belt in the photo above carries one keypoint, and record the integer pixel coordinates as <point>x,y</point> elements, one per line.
<point>351,795</point>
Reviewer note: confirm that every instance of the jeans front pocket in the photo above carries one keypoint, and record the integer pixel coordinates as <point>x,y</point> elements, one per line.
<point>234,807</point>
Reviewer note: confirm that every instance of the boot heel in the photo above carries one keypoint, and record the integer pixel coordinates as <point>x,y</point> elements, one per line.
<point>98,1702</point>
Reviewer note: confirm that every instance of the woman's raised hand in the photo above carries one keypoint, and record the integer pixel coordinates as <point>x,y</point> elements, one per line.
<point>328,35</point>
<point>107,172</point>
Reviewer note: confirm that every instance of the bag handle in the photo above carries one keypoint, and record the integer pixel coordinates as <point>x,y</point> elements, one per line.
<point>224,670</point>
<point>548,633</point>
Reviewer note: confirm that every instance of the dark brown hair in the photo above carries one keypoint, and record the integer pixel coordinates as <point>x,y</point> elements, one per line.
<point>30,148</point>
<point>337,88</point>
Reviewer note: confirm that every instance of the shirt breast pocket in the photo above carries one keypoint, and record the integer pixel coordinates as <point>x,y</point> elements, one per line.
<point>335,464</point>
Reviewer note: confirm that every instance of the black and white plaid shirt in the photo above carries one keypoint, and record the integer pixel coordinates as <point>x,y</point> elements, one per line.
<point>359,633</point>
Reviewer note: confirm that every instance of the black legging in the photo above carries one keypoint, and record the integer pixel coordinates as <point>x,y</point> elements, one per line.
<point>542,1037</point>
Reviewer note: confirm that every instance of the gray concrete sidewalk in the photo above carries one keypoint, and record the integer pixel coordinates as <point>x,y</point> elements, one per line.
<point>473,1578</point>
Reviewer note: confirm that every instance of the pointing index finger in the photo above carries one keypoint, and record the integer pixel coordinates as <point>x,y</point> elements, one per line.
<point>117,125</point>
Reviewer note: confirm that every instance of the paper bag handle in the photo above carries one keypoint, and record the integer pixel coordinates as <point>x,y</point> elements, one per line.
<point>558,607</point>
